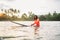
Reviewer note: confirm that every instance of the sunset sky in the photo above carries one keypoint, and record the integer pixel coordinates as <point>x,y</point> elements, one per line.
<point>38,7</point>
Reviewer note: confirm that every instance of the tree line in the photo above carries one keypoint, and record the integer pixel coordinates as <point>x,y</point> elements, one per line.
<point>50,17</point>
<point>9,15</point>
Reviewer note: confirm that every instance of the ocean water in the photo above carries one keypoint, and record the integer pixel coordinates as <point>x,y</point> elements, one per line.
<point>49,30</point>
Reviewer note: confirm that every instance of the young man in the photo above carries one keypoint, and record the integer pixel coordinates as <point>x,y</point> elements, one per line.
<point>36,23</point>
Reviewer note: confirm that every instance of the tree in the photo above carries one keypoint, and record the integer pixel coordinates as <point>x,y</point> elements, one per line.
<point>2,10</point>
<point>49,17</point>
<point>10,13</point>
<point>13,11</point>
<point>58,17</point>
<point>24,16</point>
<point>31,16</point>
<point>42,17</point>
<point>55,16</point>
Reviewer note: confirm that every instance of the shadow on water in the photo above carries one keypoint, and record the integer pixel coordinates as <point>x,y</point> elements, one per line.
<point>57,35</point>
<point>2,38</point>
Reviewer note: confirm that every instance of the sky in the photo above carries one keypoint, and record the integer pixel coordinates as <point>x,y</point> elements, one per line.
<point>38,7</point>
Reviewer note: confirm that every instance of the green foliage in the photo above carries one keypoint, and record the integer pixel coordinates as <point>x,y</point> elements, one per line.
<point>48,17</point>
<point>42,18</point>
<point>31,15</point>
<point>24,16</point>
<point>58,17</point>
<point>55,16</point>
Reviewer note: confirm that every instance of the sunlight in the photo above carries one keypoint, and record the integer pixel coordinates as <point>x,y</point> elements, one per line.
<point>36,6</point>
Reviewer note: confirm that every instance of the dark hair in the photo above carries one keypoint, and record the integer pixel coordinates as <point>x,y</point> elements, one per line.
<point>35,17</point>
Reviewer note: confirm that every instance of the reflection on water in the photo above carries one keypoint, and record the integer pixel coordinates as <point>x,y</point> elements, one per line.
<point>49,30</point>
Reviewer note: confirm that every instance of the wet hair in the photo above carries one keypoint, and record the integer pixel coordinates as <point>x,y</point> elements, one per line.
<point>35,17</point>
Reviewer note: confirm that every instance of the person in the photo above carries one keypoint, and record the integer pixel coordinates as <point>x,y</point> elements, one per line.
<point>36,24</point>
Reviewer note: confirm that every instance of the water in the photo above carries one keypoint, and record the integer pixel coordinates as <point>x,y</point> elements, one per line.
<point>49,30</point>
